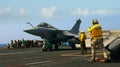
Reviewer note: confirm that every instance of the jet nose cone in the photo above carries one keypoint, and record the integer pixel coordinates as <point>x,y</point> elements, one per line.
<point>30,31</point>
<point>27,31</point>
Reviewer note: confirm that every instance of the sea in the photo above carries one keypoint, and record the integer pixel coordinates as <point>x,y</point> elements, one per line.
<point>3,45</point>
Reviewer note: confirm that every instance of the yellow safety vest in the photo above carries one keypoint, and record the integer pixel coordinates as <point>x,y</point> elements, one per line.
<point>82,37</point>
<point>95,31</point>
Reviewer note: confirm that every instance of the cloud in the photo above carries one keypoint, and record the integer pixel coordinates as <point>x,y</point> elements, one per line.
<point>22,12</point>
<point>5,10</point>
<point>88,12</point>
<point>105,12</point>
<point>80,11</point>
<point>47,12</point>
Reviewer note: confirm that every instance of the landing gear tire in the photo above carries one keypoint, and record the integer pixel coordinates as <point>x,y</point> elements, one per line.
<point>73,47</point>
<point>44,50</point>
<point>56,47</point>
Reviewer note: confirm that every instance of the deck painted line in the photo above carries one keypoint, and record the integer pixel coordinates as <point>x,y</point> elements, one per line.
<point>33,63</point>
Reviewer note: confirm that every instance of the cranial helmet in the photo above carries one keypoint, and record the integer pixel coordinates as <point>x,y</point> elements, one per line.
<point>81,31</point>
<point>95,21</point>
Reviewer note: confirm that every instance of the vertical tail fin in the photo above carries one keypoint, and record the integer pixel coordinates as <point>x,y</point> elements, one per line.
<point>75,28</point>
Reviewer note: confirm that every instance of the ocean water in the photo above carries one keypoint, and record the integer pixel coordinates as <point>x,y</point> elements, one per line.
<point>3,45</point>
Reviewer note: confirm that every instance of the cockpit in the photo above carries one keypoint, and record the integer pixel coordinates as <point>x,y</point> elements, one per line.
<point>44,24</point>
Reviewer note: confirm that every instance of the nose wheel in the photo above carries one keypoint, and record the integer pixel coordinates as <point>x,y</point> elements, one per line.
<point>73,46</point>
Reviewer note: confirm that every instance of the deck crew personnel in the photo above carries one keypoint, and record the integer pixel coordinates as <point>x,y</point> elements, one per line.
<point>82,38</point>
<point>96,40</point>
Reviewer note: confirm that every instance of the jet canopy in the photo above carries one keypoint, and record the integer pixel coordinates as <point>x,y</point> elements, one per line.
<point>44,24</point>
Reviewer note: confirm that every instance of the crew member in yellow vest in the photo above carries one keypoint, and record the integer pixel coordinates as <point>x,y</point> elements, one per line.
<point>96,40</point>
<point>82,38</point>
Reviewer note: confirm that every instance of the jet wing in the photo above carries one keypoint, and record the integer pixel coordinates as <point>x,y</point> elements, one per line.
<point>67,33</point>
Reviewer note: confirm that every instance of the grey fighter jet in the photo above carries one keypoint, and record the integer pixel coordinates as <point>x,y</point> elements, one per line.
<point>56,36</point>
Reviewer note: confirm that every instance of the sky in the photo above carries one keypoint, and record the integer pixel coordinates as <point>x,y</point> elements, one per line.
<point>62,14</point>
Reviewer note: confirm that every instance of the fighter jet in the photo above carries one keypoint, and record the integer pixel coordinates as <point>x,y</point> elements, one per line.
<point>54,35</point>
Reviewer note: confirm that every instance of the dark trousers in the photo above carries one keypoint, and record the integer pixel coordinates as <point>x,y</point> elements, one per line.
<point>83,47</point>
